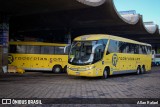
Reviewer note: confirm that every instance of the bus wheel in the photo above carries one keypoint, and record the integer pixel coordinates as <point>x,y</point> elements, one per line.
<point>157,63</point>
<point>57,69</point>
<point>143,70</point>
<point>138,70</point>
<point>105,74</point>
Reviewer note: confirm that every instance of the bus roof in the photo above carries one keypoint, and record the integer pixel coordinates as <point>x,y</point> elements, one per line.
<point>36,43</point>
<point>106,36</point>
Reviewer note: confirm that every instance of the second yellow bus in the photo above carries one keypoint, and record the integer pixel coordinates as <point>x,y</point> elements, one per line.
<point>38,56</point>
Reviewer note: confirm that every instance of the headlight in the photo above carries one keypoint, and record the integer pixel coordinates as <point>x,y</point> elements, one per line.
<point>68,67</point>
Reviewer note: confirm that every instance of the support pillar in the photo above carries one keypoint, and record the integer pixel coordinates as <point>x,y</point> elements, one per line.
<point>156,49</point>
<point>68,38</point>
<point>0,58</point>
<point>4,42</point>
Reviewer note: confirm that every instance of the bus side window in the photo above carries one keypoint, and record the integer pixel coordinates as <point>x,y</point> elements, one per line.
<point>59,50</point>
<point>44,50</point>
<point>113,47</point>
<point>47,49</point>
<point>33,49</point>
<point>51,49</point>
<point>131,48</point>
<point>122,47</point>
<point>127,48</point>
<point>142,49</point>
<point>21,49</point>
<point>148,49</point>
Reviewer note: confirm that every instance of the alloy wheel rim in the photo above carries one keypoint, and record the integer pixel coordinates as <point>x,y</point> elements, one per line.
<point>105,74</point>
<point>57,69</point>
<point>138,71</point>
<point>142,69</point>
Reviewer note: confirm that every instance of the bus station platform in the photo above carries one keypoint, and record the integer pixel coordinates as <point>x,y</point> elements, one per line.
<point>49,85</point>
<point>54,86</point>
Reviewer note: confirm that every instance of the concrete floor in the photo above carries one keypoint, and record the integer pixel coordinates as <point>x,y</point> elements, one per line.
<point>49,85</point>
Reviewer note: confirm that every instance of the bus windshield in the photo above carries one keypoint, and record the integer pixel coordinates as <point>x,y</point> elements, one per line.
<point>86,52</point>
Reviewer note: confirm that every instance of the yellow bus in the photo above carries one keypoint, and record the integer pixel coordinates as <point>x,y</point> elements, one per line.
<point>38,56</point>
<point>104,55</point>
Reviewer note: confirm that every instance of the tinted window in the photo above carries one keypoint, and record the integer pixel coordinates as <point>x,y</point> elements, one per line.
<point>100,42</point>
<point>21,49</point>
<point>142,49</point>
<point>131,48</point>
<point>105,41</point>
<point>47,50</point>
<point>128,48</point>
<point>33,50</point>
<point>59,50</point>
<point>123,47</point>
<point>136,50</point>
<point>148,49</point>
<point>113,47</point>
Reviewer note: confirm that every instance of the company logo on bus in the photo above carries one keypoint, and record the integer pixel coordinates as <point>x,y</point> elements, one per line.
<point>24,58</point>
<point>10,59</point>
<point>114,59</point>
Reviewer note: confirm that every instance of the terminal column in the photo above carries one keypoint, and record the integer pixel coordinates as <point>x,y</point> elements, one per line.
<point>67,38</point>
<point>4,41</point>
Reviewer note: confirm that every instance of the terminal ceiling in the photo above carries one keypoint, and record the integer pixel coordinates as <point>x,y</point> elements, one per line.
<point>78,17</point>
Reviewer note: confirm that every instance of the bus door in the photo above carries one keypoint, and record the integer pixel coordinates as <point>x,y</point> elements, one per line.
<point>113,55</point>
<point>98,52</point>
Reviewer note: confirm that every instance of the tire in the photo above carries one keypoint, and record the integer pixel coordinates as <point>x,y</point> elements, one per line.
<point>143,70</point>
<point>105,74</point>
<point>65,69</point>
<point>138,70</point>
<point>157,63</point>
<point>57,69</point>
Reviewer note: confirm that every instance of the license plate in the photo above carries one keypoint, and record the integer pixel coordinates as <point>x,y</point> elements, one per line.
<point>77,73</point>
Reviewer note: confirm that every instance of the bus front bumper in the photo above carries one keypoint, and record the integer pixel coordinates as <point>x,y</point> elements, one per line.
<point>81,73</point>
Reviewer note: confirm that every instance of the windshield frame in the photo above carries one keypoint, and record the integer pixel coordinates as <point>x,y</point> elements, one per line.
<point>94,46</point>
